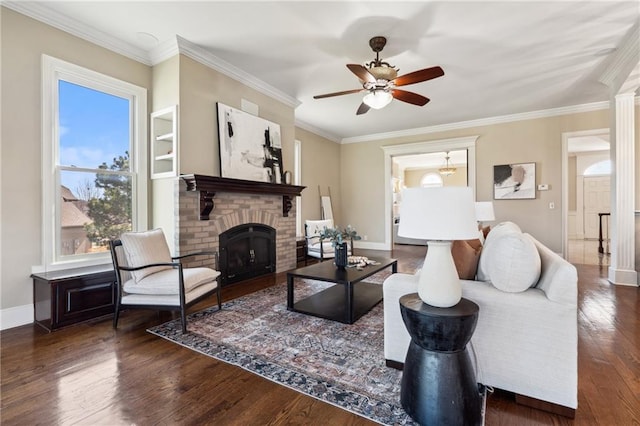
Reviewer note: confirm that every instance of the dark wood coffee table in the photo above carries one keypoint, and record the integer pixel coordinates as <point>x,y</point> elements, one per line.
<point>344,302</point>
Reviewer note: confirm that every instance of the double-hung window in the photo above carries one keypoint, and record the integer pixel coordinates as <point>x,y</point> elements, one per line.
<point>94,163</point>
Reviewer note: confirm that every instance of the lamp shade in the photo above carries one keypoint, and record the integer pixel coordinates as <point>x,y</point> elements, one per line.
<point>444,214</point>
<point>484,211</point>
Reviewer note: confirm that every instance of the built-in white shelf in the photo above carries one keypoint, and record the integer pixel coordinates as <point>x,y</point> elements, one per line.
<point>164,143</point>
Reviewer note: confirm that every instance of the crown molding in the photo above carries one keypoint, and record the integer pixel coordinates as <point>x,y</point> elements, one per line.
<point>57,20</point>
<point>479,122</point>
<point>160,53</point>
<point>317,131</point>
<point>164,50</point>
<point>198,53</point>
<point>624,59</point>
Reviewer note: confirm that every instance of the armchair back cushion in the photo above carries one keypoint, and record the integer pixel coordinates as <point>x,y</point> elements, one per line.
<point>313,228</point>
<point>144,248</point>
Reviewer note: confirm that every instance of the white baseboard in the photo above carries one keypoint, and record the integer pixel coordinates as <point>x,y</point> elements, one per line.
<point>623,277</point>
<point>16,316</point>
<point>369,245</point>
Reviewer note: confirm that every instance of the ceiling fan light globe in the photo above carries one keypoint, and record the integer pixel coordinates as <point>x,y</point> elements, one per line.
<point>377,99</point>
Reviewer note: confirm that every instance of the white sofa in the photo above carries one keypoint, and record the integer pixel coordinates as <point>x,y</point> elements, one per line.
<point>525,341</point>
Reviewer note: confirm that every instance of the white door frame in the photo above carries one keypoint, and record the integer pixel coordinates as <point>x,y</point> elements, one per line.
<point>453,144</point>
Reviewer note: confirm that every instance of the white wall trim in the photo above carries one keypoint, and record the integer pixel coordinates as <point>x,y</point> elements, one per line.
<point>596,106</point>
<point>624,60</point>
<point>368,245</point>
<point>160,53</point>
<point>317,131</point>
<point>452,144</point>
<point>16,316</point>
<point>207,58</point>
<point>39,12</point>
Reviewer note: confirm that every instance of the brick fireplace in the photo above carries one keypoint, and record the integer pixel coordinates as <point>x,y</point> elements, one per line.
<point>209,206</point>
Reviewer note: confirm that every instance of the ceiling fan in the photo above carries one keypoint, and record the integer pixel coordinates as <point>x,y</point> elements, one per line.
<point>380,80</point>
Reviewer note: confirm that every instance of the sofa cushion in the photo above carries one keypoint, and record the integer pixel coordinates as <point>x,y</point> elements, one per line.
<point>495,233</point>
<point>466,254</point>
<point>513,262</point>
<point>145,248</point>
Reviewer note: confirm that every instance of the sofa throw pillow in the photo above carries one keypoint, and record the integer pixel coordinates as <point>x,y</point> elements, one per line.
<point>514,264</point>
<point>466,254</point>
<point>495,233</point>
<point>144,248</point>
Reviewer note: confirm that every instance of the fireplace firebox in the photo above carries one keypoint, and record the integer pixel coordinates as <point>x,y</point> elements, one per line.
<point>247,251</point>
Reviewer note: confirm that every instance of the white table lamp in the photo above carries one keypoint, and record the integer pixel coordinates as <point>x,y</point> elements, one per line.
<point>484,211</point>
<point>438,215</point>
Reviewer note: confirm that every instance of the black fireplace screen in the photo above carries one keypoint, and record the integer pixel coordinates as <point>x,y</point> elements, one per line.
<point>247,251</point>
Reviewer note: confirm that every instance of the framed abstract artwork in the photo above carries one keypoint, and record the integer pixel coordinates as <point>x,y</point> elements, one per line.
<point>250,146</point>
<point>514,181</point>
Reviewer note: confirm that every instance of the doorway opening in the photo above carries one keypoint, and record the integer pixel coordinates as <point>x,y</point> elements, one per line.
<point>467,148</point>
<point>587,197</point>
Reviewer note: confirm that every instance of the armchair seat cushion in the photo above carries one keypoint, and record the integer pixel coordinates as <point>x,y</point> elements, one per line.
<point>327,248</point>
<point>166,282</point>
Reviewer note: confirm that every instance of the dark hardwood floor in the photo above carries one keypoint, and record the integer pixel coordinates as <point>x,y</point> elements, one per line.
<point>92,374</point>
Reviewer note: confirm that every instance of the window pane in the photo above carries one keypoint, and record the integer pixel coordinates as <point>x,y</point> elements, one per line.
<point>93,126</point>
<point>93,209</point>
<point>431,180</point>
<point>599,168</point>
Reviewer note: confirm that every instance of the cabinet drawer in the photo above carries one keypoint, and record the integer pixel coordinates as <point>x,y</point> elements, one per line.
<point>78,300</point>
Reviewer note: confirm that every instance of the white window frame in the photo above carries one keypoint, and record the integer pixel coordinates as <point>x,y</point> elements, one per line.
<point>53,70</point>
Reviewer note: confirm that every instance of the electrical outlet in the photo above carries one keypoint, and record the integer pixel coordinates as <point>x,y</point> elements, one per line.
<point>552,205</point>
<point>365,237</point>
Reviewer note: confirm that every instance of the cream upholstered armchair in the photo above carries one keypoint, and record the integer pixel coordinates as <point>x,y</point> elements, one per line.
<point>318,247</point>
<point>147,277</point>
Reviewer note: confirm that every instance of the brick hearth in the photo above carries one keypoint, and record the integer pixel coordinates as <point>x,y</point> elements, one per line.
<point>232,209</point>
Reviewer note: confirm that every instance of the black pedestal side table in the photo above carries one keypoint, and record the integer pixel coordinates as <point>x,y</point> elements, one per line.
<point>438,382</point>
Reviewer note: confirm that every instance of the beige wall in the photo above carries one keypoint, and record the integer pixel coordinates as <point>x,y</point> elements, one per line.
<point>320,167</point>
<point>24,40</point>
<point>538,140</point>
<point>200,88</point>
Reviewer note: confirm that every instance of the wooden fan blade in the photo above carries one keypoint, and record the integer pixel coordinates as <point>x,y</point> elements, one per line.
<point>345,92</point>
<point>363,109</point>
<point>409,97</point>
<point>362,73</point>
<point>418,76</point>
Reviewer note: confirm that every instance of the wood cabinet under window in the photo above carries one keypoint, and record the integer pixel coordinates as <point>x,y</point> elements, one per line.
<point>63,298</point>
<point>164,143</point>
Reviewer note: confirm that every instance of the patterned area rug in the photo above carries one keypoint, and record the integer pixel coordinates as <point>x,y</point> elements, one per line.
<point>337,363</point>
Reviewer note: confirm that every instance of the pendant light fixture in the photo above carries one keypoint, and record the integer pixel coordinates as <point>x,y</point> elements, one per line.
<point>448,169</point>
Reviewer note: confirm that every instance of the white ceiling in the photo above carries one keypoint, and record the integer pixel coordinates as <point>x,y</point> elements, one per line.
<point>499,58</point>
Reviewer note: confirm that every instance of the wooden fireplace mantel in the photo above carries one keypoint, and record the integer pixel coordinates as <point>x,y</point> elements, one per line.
<point>209,185</point>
